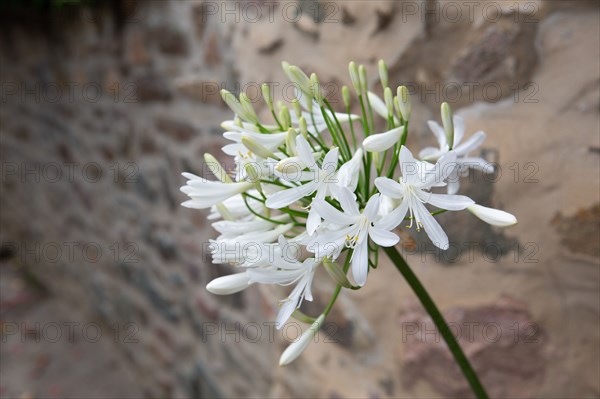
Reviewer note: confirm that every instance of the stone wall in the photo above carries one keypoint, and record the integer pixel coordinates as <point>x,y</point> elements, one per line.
<point>103,108</point>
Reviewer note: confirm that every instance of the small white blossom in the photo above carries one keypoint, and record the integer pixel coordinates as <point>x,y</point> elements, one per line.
<point>295,349</point>
<point>383,141</point>
<point>206,193</point>
<point>355,229</point>
<point>463,161</point>
<point>286,270</point>
<point>495,217</point>
<point>413,189</point>
<point>230,284</point>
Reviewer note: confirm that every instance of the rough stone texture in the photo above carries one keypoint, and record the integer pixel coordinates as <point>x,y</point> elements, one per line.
<point>504,343</point>
<point>158,67</point>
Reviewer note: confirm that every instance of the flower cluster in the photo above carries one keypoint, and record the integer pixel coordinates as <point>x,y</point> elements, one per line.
<point>323,188</point>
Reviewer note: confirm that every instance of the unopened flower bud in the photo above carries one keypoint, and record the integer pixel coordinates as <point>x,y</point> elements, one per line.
<point>303,127</point>
<point>362,73</point>
<point>383,73</point>
<point>495,217</point>
<point>266,92</point>
<point>252,173</point>
<point>448,123</point>
<point>284,117</point>
<point>233,103</point>
<point>346,96</point>
<point>257,148</point>
<point>316,88</point>
<point>295,349</point>
<point>354,76</point>
<point>290,141</point>
<point>229,284</point>
<point>299,78</point>
<point>216,168</point>
<point>297,107</point>
<point>248,108</point>
<point>404,102</point>
<point>389,100</point>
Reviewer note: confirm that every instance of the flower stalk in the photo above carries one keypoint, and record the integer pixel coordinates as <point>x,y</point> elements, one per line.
<point>439,321</point>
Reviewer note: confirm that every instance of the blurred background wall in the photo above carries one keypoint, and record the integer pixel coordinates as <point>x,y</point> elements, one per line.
<point>105,104</point>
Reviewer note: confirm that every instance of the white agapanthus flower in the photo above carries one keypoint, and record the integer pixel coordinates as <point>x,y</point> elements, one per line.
<point>413,189</point>
<point>463,161</point>
<point>206,193</point>
<point>287,270</point>
<point>353,230</point>
<point>305,181</point>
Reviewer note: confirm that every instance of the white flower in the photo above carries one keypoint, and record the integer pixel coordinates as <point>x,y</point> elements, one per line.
<point>380,107</point>
<point>248,248</point>
<point>355,230</point>
<point>349,172</point>
<point>287,270</point>
<point>463,162</point>
<point>270,141</point>
<point>234,228</point>
<point>320,181</point>
<point>206,193</point>
<point>495,217</point>
<point>236,207</point>
<point>230,284</point>
<point>295,349</point>
<point>383,141</point>
<point>417,178</point>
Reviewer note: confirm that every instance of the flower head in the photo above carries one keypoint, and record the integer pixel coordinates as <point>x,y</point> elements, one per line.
<point>305,192</point>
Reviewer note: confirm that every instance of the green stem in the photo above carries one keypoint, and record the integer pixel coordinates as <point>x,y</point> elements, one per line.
<point>439,321</point>
<point>339,126</point>
<point>351,122</point>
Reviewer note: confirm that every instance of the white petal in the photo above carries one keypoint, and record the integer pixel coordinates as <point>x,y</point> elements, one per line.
<point>459,130</point>
<point>347,199</point>
<point>439,134</point>
<point>284,198</point>
<point>304,151</point>
<point>471,144</point>
<point>495,217</point>
<point>378,105</point>
<point>313,221</point>
<point>383,237</point>
<point>349,172</point>
<point>229,284</point>
<point>445,201</point>
<point>330,160</point>
<point>408,166</point>
<point>330,214</point>
<point>431,154</point>
<point>372,207</point>
<point>476,163</point>
<point>295,349</point>
<point>360,263</point>
<point>273,276</point>
<point>383,141</point>
<point>389,187</point>
<point>433,229</point>
<point>285,311</point>
<point>394,218</point>
<point>444,167</point>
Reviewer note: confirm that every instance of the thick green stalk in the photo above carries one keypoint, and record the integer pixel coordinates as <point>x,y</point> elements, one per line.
<point>439,321</point>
